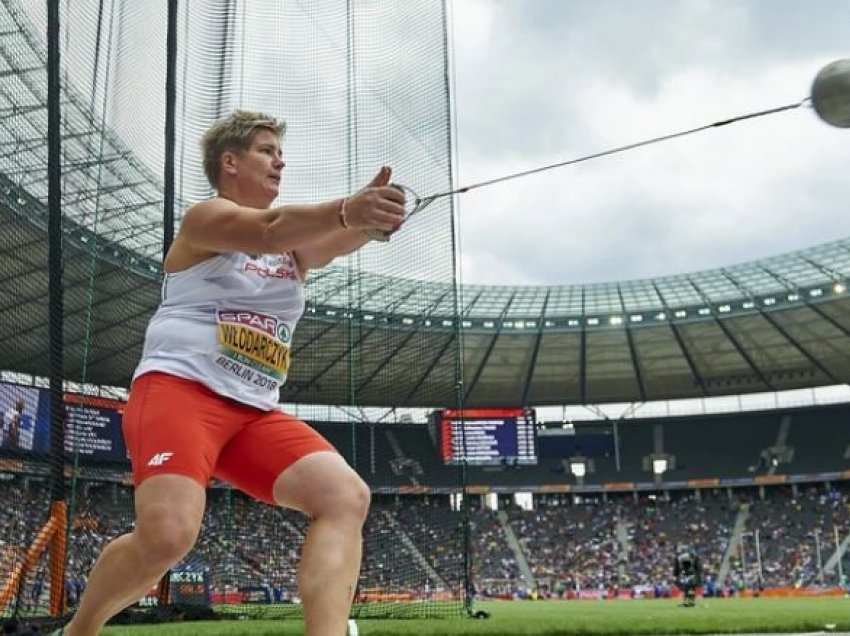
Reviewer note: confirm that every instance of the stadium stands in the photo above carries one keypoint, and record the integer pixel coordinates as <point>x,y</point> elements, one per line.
<point>568,545</point>
<point>753,522</point>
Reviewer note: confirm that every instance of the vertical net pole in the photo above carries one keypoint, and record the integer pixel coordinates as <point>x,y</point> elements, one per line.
<point>170,127</point>
<point>168,180</point>
<point>55,309</point>
<point>457,320</point>
<point>353,296</point>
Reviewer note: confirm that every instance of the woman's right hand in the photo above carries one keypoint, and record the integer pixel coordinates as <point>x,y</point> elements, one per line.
<point>378,206</point>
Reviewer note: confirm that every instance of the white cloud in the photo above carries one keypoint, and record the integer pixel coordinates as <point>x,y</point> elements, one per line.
<point>533,91</point>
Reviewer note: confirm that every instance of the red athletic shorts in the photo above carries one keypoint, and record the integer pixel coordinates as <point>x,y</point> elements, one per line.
<point>178,426</point>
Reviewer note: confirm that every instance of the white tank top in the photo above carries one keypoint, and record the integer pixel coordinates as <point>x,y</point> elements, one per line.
<point>227,322</point>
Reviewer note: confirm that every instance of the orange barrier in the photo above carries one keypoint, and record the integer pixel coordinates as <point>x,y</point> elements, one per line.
<point>374,597</point>
<point>377,595</point>
<point>797,592</point>
<point>52,537</point>
<point>59,512</point>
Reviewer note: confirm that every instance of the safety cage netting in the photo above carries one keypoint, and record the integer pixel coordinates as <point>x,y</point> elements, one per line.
<point>360,85</point>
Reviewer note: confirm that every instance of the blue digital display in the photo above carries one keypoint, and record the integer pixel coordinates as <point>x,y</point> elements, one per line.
<point>488,436</point>
<point>92,424</point>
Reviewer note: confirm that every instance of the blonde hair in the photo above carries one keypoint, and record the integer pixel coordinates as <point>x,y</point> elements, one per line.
<point>234,132</point>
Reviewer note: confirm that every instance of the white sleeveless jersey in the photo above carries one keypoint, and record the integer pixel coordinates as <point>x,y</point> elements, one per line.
<point>227,322</point>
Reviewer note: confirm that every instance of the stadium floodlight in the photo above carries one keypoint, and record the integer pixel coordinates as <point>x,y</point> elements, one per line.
<point>659,466</point>
<point>578,468</point>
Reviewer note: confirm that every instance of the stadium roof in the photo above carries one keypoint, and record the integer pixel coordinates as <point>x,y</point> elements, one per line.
<point>773,324</point>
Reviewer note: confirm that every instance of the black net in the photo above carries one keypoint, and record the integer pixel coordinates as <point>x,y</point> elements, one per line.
<point>360,85</point>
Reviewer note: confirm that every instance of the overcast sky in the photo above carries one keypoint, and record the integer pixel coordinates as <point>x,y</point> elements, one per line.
<point>541,81</point>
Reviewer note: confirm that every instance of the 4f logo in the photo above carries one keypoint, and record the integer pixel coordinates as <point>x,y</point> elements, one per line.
<point>160,458</point>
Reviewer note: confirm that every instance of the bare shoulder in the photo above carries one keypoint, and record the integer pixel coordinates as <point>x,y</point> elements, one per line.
<point>206,211</point>
<point>184,253</point>
<point>220,225</point>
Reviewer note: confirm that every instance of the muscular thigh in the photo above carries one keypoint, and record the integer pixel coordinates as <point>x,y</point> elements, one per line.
<point>263,449</point>
<point>174,426</point>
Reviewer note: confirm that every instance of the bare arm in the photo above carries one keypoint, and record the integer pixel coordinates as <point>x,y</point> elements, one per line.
<point>333,244</point>
<point>344,240</point>
<point>219,225</point>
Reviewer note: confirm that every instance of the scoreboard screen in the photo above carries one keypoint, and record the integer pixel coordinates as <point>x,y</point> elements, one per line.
<point>92,423</point>
<point>488,436</point>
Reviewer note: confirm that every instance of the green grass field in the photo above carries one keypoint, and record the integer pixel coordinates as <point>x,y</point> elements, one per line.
<point>710,616</point>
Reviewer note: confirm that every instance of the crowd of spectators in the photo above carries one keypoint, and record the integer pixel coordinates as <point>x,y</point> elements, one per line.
<point>494,562</point>
<point>414,545</point>
<point>658,528</point>
<point>789,537</point>
<point>575,544</point>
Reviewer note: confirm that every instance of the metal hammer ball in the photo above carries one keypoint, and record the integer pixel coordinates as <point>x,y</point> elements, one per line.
<point>831,93</point>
